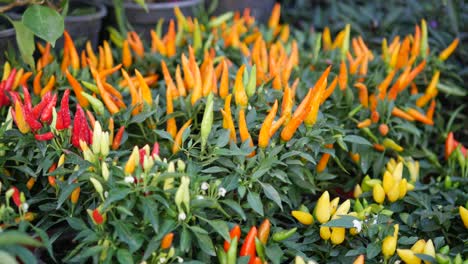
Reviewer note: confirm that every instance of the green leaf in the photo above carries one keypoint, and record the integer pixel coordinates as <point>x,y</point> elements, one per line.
<point>255,202</point>
<point>373,249</point>
<point>124,256</point>
<point>345,221</point>
<point>15,237</point>
<point>204,240</point>
<point>272,194</point>
<point>236,207</point>
<point>451,89</point>
<point>357,140</point>
<point>220,227</point>
<point>25,40</point>
<point>142,4</point>
<point>44,22</point>
<point>65,193</point>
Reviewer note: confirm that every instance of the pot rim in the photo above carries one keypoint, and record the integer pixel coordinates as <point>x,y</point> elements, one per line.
<point>102,12</point>
<point>7,32</point>
<point>184,3</point>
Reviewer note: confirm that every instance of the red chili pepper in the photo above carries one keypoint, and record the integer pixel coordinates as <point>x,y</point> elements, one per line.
<point>44,137</point>
<point>81,130</point>
<point>27,97</point>
<point>450,145</point>
<point>142,156</point>
<point>155,151</point>
<point>46,115</point>
<point>10,80</point>
<point>248,248</point>
<point>33,123</point>
<point>235,232</point>
<point>37,110</point>
<point>97,217</point>
<point>4,100</point>
<point>118,138</point>
<point>16,196</point>
<point>63,116</point>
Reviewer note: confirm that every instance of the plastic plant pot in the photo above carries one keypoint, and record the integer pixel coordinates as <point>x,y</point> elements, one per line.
<point>260,9</point>
<point>7,38</point>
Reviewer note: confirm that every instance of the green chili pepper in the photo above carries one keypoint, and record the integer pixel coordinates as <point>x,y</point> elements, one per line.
<point>222,256</point>
<point>317,46</point>
<point>260,248</point>
<point>345,46</point>
<point>197,38</point>
<point>445,249</point>
<point>458,259</point>
<point>354,111</point>
<point>250,88</point>
<point>369,133</point>
<point>159,26</point>
<point>220,19</point>
<point>442,259</point>
<point>358,206</point>
<point>95,103</point>
<point>285,234</point>
<point>90,86</point>
<point>232,252</point>
<point>207,121</point>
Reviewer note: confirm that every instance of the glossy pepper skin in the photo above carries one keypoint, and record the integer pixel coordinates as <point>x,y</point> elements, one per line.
<point>248,248</point>
<point>264,231</point>
<point>63,115</point>
<point>235,233</point>
<point>81,130</point>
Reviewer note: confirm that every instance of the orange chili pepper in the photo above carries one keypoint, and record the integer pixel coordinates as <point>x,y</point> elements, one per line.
<point>363,94</point>
<point>343,76</point>
<point>287,103</point>
<point>77,89</point>
<point>17,79</point>
<point>276,125</point>
<point>180,82</point>
<point>395,90</point>
<point>322,165</point>
<point>144,89</point>
<point>75,195</point>
<point>208,80</point>
<point>49,86</point>
<point>367,122</point>
<point>136,98</point>
<point>224,83</point>
<point>317,95</point>
<point>188,75</point>
<point>401,114</point>
<point>112,91</point>
<point>430,110</point>
<point>419,116</point>
<point>373,103</point>
<point>198,88</point>
<point>298,117</point>
<point>244,131</point>
<point>166,242</point>
<point>383,86</point>
<point>106,97</point>
<point>74,57</point>
<point>84,60</point>
<point>239,89</point>
<point>178,138</point>
<point>171,125</point>
<point>109,60</point>
<point>102,59</point>
<point>24,79</point>
<point>379,147</point>
<point>30,183</point>
<point>110,127</point>
<point>65,59</point>
<point>91,55</point>
<point>415,49</point>
<point>157,44</point>
<point>171,39</point>
<point>264,134</point>
<point>403,53</point>
<point>375,116</point>
<point>118,138</point>
<point>329,91</point>
<point>431,91</point>
<point>91,118</point>
<point>414,89</point>
<point>229,125</point>
<point>126,54</point>
<point>169,81</point>
<point>135,43</point>
<point>109,71</point>
<point>412,75</point>
<point>449,50</point>
<point>383,129</point>
<point>273,22</point>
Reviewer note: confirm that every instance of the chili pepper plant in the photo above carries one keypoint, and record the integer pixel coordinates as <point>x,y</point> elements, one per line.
<point>224,140</point>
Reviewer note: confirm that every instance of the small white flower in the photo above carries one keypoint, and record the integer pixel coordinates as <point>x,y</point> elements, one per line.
<point>205,186</point>
<point>182,216</point>
<point>180,260</point>
<point>221,192</point>
<point>129,179</point>
<point>358,225</point>
<point>162,260</point>
<point>106,194</point>
<point>25,206</point>
<point>200,197</point>
<point>249,107</point>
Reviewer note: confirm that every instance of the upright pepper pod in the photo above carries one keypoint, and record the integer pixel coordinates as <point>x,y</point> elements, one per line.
<point>248,248</point>
<point>207,121</point>
<point>234,233</point>
<point>81,130</point>
<point>63,115</point>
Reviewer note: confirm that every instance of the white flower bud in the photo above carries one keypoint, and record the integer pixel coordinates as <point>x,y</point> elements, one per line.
<point>96,145</point>
<point>105,171</point>
<point>104,144</point>
<point>129,179</point>
<point>205,186</point>
<point>182,216</point>
<point>221,192</point>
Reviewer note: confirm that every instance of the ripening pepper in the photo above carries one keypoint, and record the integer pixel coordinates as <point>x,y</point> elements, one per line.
<point>166,242</point>
<point>304,218</point>
<point>63,115</point>
<point>322,209</point>
<point>408,256</point>
<point>389,246</point>
<point>81,130</point>
<point>464,215</point>
<point>248,248</point>
<point>234,233</point>
<point>264,231</point>
<point>207,121</point>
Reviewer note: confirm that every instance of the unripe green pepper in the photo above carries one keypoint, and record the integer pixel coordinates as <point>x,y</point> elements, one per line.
<point>232,252</point>
<point>444,250</point>
<point>442,259</point>
<point>283,235</point>
<point>207,121</point>
<point>458,259</point>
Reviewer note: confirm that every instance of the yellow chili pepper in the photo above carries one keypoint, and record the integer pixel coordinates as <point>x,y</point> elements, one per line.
<point>75,195</point>
<point>408,256</point>
<point>449,50</point>
<point>178,138</point>
<point>303,217</point>
<point>322,209</point>
<point>239,89</point>
<point>378,193</point>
